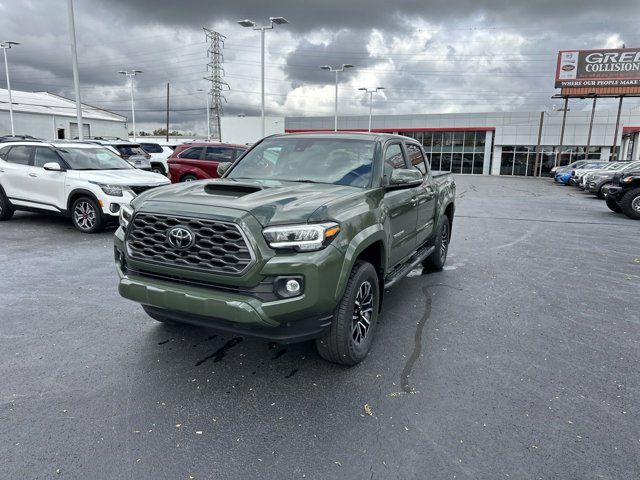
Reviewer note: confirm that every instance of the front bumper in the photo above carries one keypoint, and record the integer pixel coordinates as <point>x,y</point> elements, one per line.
<point>228,307</point>
<point>611,190</point>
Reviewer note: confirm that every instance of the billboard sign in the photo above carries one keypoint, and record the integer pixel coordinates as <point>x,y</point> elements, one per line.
<point>618,67</point>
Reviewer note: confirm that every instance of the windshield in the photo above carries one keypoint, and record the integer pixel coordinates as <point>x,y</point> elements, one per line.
<point>314,160</point>
<point>130,150</point>
<point>630,166</point>
<point>93,159</point>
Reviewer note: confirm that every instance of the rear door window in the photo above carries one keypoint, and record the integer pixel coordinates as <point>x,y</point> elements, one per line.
<point>219,154</point>
<point>151,147</point>
<point>20,155</point>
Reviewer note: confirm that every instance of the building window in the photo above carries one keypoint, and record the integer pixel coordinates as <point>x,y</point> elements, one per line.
<point>454,151</point>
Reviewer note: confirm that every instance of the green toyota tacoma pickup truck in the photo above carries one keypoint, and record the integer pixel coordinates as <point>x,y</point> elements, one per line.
<point>297,240</point>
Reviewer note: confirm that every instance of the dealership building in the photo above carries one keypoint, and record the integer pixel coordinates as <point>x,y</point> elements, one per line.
<point>52,117</point>
<point>498,143</point>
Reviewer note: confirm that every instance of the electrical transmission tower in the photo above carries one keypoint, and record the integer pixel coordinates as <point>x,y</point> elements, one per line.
<point>215,77</point>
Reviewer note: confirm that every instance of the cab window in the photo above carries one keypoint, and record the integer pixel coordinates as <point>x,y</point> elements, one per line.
<point>393,159</point>
<point>416,157</point>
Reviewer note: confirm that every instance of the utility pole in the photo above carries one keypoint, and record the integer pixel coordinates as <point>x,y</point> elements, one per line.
<point>216,72</point>
<point>167,112</point>
<point>593,112</point>
<point>273,21</point>
<point>538,146</point>
<point>371,92</point>
<point>131,74</point>
<point>335,105</point>
<point>6,45</point>
<point>565,109</point>
<point>76,75</point>
<point>208,111</point>
<point>614,147</point>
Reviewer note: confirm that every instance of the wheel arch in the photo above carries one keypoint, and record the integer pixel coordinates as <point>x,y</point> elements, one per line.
<point>81,192</point>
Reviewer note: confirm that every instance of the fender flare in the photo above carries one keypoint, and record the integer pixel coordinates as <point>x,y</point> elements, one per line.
<point>364,239</point>
<point>84,192</point>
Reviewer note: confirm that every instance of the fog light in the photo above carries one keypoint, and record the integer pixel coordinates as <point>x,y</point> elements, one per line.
<point>289,286</point>
<point>293,286</point>
<point>114,207</point>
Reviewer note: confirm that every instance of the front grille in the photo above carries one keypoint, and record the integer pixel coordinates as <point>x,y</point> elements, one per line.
<point>218,247</point>
<point>138,189</point>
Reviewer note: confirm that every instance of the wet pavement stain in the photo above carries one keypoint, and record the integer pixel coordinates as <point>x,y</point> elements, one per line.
<point>292,373</point>
<point>279,353</point>
<point>272,345</point>
<point>166,341</point>
<point>417,345</point>
<point>221,352</point>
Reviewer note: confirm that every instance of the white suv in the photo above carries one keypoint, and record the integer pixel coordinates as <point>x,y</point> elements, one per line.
<point>84,181</point>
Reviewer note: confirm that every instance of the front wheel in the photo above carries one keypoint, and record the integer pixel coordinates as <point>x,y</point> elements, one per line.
<point>189,178</point>
<point>351,333</point>
<point>630,203</point>
<point>155,168</point>
<point>436,261</point>
<point>86,215</point>
<point>612,204</point>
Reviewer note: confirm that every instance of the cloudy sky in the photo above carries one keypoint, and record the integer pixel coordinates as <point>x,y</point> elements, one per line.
<point>431,55</point>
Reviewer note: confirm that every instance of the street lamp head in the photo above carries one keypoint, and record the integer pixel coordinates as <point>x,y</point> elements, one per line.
<point>278,20</point>
<point>247,23</point>
<point>8,44</point>
<point>122,72</point>
<point>325,67</point>
<point>347,65</point>
<point>135,72</point>
<point>362,88</point>
<point>379,88</point>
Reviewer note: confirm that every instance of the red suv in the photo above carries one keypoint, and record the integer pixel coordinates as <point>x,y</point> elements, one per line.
<point>199,160</point>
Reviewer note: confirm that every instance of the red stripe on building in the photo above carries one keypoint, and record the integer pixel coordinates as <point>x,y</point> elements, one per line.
<point>391,130</point>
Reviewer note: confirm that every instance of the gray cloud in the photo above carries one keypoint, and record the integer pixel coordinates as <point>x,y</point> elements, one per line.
<point>431,56</point>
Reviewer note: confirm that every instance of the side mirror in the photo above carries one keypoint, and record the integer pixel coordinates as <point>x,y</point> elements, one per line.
<point>223,167</point>
<point>405,177</point>
<point>52,167</point>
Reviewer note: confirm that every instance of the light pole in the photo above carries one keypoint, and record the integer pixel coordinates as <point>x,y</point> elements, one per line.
<point>337,70</point>
<point>131,74</point>
<point>5,46</point>
<point>273,21</point>
<point>74,62</point>
<point>208,120</point>
<point>371,92</point>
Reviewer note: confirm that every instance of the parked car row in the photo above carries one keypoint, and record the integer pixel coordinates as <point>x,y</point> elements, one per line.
<point>86,181</point>
<point>618,183</point>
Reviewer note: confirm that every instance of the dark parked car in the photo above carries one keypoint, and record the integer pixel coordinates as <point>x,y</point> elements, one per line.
<point>623,195</point>
<point>200,160</point>
<point>595,181</point>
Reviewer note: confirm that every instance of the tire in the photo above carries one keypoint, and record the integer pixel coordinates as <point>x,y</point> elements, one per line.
<point>159,318</point>
<point>156,168</point>
<point>613,204</point>
<point>600,193</point>
<point>86,215</point>
<point>189,178</point>
<point>630,203</point>
<point>6,209</point>
<point>435,262</point>
<point>349,339</point>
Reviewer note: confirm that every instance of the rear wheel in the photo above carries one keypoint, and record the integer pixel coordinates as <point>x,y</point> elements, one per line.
<point>86,215</point>
<point>156,168</point>
<point>189,178</point>
<point>630,203</point>
<point>613,205</point>
<point>6,209</point>
<point>157,317</point>
<point>436,261</point>
<point>351,333</point>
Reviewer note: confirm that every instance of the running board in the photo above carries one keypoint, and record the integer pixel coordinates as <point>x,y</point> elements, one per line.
<point>403,270</point>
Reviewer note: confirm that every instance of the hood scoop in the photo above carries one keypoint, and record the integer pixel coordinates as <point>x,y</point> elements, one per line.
<point>230,190</point>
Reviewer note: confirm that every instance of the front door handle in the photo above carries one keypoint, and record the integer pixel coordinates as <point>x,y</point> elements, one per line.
<point>32,175</point>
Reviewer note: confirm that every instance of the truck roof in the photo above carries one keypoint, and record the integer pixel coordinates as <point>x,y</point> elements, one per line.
<point>349,135</point>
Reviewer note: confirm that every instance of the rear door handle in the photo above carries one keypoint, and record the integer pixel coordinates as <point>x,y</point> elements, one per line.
<point>32,175</point>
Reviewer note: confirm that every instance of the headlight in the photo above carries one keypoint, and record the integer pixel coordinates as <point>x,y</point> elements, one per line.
<point>301,237</point>
<point>126,213</point>
<point>112,190</point>
<point>626,179</point>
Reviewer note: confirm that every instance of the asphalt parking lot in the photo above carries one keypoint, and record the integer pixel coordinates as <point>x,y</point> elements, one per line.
<point>520,360</point>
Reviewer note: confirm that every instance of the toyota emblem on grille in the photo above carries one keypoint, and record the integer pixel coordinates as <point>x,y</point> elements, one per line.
<point>180,238</point>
